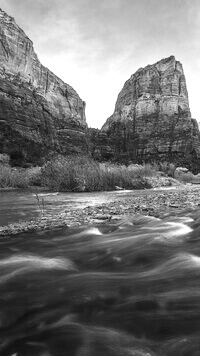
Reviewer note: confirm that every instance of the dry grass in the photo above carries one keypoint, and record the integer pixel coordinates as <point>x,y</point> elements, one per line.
<point>19,177</point>
<point>80,173</point>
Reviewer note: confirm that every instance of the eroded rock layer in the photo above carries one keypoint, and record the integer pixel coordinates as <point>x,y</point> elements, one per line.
<point>39,113</point>
<point>152,118</point>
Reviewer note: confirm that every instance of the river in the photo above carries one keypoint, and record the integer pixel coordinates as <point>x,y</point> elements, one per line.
<point>21,205</point>
<point>125,288</point>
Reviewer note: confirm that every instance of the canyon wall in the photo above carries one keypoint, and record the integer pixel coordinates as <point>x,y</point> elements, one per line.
<point>39,113</point>
<point>152,119</point>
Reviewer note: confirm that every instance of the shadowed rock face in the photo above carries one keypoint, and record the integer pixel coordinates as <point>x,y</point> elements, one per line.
<point>39,113</point>
<point>152,118</point>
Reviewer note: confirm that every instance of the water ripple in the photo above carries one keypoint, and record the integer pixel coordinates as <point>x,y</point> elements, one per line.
<point>124,288</point>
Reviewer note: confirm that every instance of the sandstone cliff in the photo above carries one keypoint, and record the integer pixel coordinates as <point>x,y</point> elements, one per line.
<point>39,113</point>
<point>152,119</point>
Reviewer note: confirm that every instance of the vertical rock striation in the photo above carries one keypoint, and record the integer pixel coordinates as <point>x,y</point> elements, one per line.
<point>152,119</point>
<point>39,113</point>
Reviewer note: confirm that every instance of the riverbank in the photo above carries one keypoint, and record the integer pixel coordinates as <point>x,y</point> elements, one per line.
<point>157,203</point>
<point>82,173</point>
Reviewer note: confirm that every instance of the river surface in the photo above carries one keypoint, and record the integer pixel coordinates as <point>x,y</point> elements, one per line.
<point>21,205</point>
<point>126,288</point>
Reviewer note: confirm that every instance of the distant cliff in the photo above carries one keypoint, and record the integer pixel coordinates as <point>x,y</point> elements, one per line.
<point>152,119</point>
<point>39,113</point>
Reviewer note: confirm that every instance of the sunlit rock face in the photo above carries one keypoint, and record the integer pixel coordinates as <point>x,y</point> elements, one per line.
<point>39,113</point>
<point>152,118</point>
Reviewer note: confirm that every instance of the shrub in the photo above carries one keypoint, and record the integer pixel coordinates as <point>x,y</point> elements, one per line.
<point>81,173</point>
<point>4,158</point>
<point>167,168</point>
<point>70,173</point>
<point>141,171</point>
<point>10,177</point>
<point>34,176</point>
<point>19,177</point>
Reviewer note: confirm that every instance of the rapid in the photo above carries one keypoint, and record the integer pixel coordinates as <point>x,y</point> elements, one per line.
<point>129,288</point>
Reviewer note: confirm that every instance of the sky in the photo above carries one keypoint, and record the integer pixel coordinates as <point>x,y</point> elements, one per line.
<point>96,45</point>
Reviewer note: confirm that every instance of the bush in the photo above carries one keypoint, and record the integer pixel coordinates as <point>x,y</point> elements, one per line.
<point>141,171</point>
<point>19,177</point>
<point>81,173</point>
<point>69,173</point>
<point>4,158</point>
<point>167,168</point>
<point>34,176</point>
<point>14,178</point>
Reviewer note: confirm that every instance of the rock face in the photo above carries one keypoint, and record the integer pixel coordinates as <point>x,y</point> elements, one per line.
<point>152,119</point>
<point>39,113</point>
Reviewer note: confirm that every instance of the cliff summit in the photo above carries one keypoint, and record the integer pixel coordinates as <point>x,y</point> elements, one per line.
<point>39,113</point>
<point>152,119</point>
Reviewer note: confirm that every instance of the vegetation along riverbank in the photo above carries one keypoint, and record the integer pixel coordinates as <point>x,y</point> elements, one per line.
<point>82,173</point>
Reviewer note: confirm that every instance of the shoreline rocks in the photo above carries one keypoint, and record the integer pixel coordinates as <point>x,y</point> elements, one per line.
<point>157,203</point>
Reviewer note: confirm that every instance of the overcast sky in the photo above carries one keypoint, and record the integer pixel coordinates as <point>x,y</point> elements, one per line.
<point>95,45</point>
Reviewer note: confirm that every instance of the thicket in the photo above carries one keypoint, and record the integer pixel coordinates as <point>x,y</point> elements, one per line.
<point>12,177</point>
<point>82,173</point>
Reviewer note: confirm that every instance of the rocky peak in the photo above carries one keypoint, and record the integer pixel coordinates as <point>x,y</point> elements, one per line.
<point>151,88</point>
<point>35,105</point>
<point>152,118</point>
<point>165,77</point>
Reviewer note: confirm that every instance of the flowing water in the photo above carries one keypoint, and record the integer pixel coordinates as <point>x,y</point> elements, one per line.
<point>117,289</point>
<point>19,205</point>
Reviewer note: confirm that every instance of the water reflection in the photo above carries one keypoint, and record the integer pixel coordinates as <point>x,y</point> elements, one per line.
<point>126,288</point>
